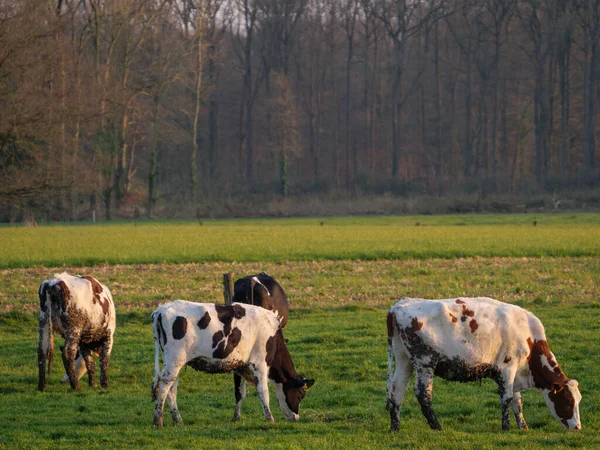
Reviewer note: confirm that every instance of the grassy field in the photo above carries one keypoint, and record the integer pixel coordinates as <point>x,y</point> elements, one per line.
<point>336,330</point>
<point>281,240</point>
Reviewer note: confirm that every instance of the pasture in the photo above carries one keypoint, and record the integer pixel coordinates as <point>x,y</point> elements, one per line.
<point>336,331</point>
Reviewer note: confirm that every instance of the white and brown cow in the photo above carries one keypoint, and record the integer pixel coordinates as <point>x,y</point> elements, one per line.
<point>243,339</point>
<point>467,339</point>
<point>82,311</point>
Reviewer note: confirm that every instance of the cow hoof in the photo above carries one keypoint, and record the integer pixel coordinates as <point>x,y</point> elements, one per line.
<point>236,418</point>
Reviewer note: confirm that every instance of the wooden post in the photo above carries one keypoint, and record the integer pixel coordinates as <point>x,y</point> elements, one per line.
<point>228,287</point>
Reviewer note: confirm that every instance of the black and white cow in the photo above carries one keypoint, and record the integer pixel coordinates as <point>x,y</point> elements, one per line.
<point>262,290</point>
<point>211,338</point>
<point>467,339</point>
<point>82,311</point>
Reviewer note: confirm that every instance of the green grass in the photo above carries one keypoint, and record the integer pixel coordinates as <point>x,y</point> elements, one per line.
<point>281,240</point>
<point>343,348</point>
<point>341,278</point>
<point>524,281</point>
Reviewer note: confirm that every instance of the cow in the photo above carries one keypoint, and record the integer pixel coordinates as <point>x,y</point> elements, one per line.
<point>262,290</point>
<point>214,338</point>
<point>468,339</point>
<point>80,309</point>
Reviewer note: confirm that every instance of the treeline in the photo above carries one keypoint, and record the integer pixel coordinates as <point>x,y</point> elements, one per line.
<point>116,105</point>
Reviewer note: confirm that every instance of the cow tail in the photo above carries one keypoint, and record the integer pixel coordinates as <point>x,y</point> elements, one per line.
<point>46,344</point>
<point>390,375</point>
<point>156,355</point>
<point>51,347</point>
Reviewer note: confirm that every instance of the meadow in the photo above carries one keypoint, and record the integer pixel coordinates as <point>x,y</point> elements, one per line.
<point>336,330</point>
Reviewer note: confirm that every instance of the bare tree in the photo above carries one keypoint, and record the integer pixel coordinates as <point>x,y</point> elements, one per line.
<point>589,18</point>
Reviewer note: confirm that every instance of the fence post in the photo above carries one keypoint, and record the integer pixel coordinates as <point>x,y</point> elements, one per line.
<point>228,287</point>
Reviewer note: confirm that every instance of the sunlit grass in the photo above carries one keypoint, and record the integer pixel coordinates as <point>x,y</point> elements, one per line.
<point>343,348</point>
<point>341,277</point>
<point>280,240</point>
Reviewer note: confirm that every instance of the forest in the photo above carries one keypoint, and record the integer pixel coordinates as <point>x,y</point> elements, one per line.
<point>168,108</point>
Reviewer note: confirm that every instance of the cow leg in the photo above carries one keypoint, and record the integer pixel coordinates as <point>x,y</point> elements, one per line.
<point>80,368</point>
<point>505,390</point>
<point>397,387</point>
<point>68,356</point>
<point>517,405</point>
<point>424,392</point>
<point>105,360</point>
<point>262,388</point>
<point>165,381</point>
<point>90,364</point>
<point>240,394</point>
<point>172,401</point>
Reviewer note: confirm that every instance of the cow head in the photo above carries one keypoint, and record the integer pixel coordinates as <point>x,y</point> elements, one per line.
<point>290,394</point>
<point>563,400</point>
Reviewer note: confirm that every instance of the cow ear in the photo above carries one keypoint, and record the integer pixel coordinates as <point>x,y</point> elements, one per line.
<point>308,383</point>
<point>557,387</point>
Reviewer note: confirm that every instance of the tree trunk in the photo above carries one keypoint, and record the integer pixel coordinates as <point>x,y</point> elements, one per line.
<point>200,29</point>
<point>590,61</point>
<point>468,144</point>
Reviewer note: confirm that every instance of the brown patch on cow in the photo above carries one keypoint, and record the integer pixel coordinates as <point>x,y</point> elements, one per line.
<point>204,321</point>
<point>507,359</point>
<point>460,302</point>
<point>96,288</point>
<point>278,359</point>
<point>416,325</point>
<point>473,325</point>
<point>225,348</point>
<point>105,304</point>
<point>217,337</point>
<point>271,348</point>
<point>179,327</point>
<point>564,404</point>
<point>466,312</point>
<point>453,318</point>
<point>543,377</point>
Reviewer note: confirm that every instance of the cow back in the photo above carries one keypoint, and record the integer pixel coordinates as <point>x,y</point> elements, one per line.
<point>262,290</point>
<point>477,330</point>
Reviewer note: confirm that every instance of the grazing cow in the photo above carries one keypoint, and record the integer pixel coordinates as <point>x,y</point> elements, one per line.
<point>211,338</point>
<point>82,310</point>
<point>467,339</point>
<point>262,290</point>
